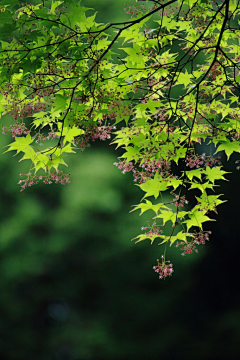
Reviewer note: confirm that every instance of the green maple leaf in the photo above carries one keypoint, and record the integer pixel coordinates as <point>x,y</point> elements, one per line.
<point>197,218</point>
<point>132,153</point>
<point>55,162</point>
<point>60,102</point>
<point>40,161</point>
<point>148,206</point>
<point>229,147</point>
<point>166,216</point>
<point>182,214</point>
<point>180,236</point>
<point>196,172</point>
<point>21,144</point>
<point>29,153</point>
<point>122,138</point>
<point>70,133</point>
<point>174,182</point>
<point>202,187</point>
<point>209,202</point>
<point>142,237</point>
<point>184,78</point>
<point>215,173</point>
<point>153,187</point>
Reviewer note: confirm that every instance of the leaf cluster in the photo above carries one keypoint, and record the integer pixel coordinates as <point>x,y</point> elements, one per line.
<point>177,85</point>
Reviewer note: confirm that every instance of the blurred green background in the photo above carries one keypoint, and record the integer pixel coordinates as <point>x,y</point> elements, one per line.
<point>74,287</point>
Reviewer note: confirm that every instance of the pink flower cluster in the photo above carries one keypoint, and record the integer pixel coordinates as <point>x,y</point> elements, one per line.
<point>93,133</point>
<point>51,136</point>
<point>187,248</point>
<point>155,165</point>
<point>193,160</point>
<point>198,239</point>
<point>152,230</point>
<point>17,129</point>
<point>163,269</point>
<point>57,176</point>
<point>125,166</point>
<point>134,10</point>
<point>101,132</point>
<point>178,201</point>
<point>145,167</point>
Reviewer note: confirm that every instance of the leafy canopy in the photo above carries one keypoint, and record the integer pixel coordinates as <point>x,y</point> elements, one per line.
<point>161,82</point>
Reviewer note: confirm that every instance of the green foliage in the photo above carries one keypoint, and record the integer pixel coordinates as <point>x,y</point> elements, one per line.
<point>63,83</point>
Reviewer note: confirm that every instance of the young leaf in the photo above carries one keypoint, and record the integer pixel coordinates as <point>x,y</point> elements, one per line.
<point>149,206</point>
<point>196,218</point>
<point>229,147</point>
<point>154,186</point>
<point>21,143</point>
<point>215,173</point>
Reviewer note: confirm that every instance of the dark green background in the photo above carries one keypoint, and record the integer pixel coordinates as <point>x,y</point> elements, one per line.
<point>74,287</point>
